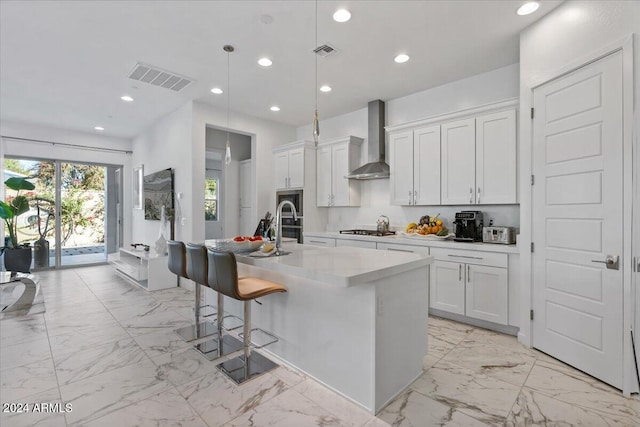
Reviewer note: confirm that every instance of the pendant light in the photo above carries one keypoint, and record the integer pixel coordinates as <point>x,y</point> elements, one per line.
<point>316,126</point>
<point>227,154</point>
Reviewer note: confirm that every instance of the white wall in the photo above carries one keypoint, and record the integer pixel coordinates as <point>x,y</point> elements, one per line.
<point>265,135</point>
<point>474,91</point>
<point>58,152</point>
<point>572,34</point>
<point>168,144</point>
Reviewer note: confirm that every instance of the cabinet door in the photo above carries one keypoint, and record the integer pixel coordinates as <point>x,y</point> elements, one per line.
<point>281,170</point>
<point>458,162</point>
<point>245,184</point>
<point>401,168</point>
<point>247,225</point>
<point>487,293</point>
<point>323,176</point>
<point>496,178</point>
<point>339,169</point>
<point>446,284</point>
<point>296,168</point>
<point>426,165</point>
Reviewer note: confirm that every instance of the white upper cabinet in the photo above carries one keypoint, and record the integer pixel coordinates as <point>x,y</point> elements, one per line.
<point>458,162</point>
<point>496,179</point>
<point>289,165</point>
<point>415,166</point>
<point>426,165</point>
<point>335,159</point>
<point>401,167</point>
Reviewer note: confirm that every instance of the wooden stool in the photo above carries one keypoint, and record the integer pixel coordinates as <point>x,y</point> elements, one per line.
<point>223,278</point>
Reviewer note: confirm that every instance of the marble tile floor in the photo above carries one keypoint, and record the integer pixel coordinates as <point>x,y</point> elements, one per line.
<point>108,349</point>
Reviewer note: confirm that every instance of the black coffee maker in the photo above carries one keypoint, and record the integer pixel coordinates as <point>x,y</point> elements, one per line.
<point>468,226</point>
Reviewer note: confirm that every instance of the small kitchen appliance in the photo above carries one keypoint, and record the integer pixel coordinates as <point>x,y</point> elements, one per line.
<point>383,224</point>
<point>497,234</point>
<point>468,226</point>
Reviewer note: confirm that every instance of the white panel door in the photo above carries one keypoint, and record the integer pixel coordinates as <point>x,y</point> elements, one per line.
<point>446,286</point>
<point>426,165</point>
<point>487,293</point>
<point>401,167</point>
<point>281,170</point>
<point>496,179</point>
<point>577,218</point>
<point>458,162</point>
<point>340,169</point>
<point>323,176</point>
<point>296,168</point>
<point>245,184</point>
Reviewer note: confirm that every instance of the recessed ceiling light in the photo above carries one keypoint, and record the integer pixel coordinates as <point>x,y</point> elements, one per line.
<point>265,62</point>
<point>341,15</point>
<point>126,98</point>
<point>99,128</point>
<point>403,57</point>
<point>275,108</point>
<point>216,90</point>
<point>528,7</point>
<point>325,88</point>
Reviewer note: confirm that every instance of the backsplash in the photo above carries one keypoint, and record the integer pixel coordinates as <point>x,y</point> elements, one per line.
<point>375,202</point>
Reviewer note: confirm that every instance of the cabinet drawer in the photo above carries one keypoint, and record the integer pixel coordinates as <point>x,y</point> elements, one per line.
<point>137,272</point>
<point>471,257</point>
<point>356,243</point>
<point>403,248</point>
<point>320,241</point>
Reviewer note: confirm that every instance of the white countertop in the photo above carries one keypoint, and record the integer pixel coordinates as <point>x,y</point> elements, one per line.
<point>419,241</point>
<point>343,266</point>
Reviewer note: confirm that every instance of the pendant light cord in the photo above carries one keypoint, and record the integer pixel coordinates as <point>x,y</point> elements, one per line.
<point>228,94</point>
<point>316,57</point>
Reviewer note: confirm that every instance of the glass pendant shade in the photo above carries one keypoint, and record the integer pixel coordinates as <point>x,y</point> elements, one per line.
<point>227,154</point>
<point>316,128</point>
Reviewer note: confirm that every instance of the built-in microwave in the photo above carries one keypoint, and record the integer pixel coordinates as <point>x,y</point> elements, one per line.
<point>294,196</point>
<point>290,227</point>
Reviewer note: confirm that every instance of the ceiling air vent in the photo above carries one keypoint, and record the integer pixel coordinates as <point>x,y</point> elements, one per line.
<point>158,77</point>
<point>325,50</point>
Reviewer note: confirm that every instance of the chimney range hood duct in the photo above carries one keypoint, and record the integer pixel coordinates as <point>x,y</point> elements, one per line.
<point>377,167</point>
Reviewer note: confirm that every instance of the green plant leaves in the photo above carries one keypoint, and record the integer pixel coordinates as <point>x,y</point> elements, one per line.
<point>6,211</point>
<point>20,205</point>
<point>17,183</point>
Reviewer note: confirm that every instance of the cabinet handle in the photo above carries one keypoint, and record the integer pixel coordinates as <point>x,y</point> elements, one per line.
<point>409,197</point>
<point>464,256</point>
<point>399,250</point>
<point>415,197</point>
<point>478,196</point>
<point>459,272</point>
<point>328,199</point>
<point>333,200</point>
<point>470,195</point>
<point>317,241</point>
<point>468,273</point>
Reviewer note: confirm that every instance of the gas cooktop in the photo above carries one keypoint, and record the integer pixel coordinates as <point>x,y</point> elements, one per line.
<point>361,232</point>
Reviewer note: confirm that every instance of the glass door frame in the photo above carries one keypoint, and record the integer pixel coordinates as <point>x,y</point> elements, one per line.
<point>58,220</point>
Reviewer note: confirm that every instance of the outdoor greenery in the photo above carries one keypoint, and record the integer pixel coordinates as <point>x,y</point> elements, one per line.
<point>15,206</point>
<point>210,199</point>
<point>82,200</point>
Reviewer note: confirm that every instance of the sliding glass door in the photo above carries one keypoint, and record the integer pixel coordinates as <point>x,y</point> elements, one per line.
<point>74,215</point>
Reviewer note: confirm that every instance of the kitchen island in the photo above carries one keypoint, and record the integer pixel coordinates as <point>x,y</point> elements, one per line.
<point>354,319</point>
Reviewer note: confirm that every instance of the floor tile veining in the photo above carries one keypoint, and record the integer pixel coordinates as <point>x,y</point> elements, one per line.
<point>108,348</point>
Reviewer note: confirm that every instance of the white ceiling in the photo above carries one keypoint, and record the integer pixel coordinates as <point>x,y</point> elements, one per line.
<point>65,63</point>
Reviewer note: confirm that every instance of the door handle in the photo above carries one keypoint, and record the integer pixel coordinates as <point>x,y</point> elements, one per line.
<point>478,196</point>
<point>612,262</point>
<point>470,195</point>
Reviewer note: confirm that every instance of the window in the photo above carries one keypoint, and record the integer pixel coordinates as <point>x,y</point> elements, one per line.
<point>210,199</point>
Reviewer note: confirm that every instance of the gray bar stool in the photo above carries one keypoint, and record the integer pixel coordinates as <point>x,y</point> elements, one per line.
<point>179,264</point>
<point>223,278</point>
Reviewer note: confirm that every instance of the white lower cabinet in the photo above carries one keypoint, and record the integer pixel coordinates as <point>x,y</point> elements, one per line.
<point>320,241</point>
<point>447,291</point>
<point>477,287</point>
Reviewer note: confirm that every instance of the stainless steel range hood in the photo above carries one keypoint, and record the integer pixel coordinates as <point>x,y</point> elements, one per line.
<point>377,167</point>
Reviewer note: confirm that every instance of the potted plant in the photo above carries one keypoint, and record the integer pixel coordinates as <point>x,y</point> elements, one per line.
<point>45,209</point>
<point>17,257</point>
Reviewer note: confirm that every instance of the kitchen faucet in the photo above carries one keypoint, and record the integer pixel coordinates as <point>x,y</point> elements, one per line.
<point>279,222</point>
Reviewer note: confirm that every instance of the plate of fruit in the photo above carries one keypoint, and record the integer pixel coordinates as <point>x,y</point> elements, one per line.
<point>429,227</point>
<point>246,243</point>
